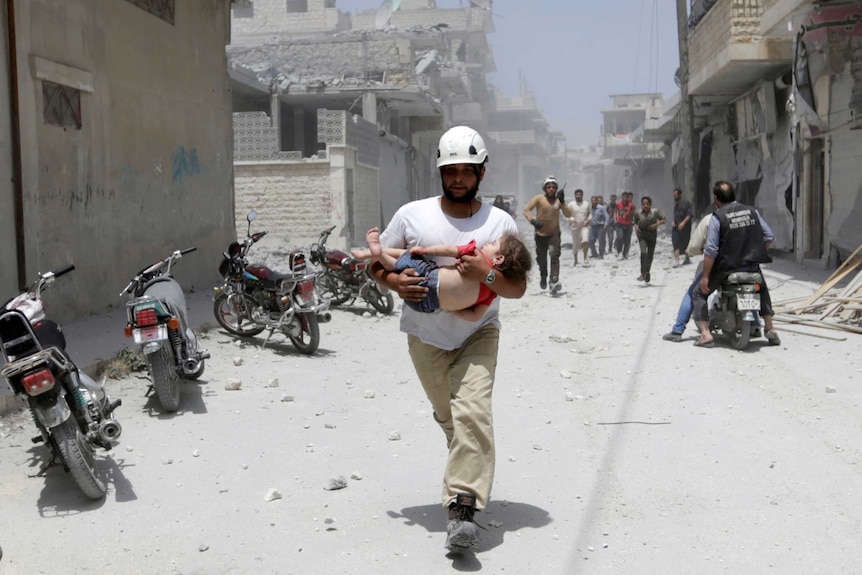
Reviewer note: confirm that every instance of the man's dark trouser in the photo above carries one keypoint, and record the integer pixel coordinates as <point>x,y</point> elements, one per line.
<point>597,233</point>
<point>680,238</point>
<point>544,245</point>
<point>612,228</point>
<point>700,305</point>
<point>647,246</point>
<point>624,239</point>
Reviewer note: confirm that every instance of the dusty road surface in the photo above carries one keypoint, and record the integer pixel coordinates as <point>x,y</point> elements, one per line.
<point>617,452</point>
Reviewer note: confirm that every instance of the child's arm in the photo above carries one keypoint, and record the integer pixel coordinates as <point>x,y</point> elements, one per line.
<point>474,313</point>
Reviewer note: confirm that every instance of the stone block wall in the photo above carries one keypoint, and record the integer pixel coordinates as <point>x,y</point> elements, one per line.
<point>292,200</point>
<point>728,22</point>
<point>269,17</point>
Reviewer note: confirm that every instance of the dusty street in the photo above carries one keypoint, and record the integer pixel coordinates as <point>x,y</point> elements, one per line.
<point>617,452</point>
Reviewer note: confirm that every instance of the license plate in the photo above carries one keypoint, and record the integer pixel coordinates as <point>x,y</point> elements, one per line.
<point>746,302</point>
<point>152,333</point>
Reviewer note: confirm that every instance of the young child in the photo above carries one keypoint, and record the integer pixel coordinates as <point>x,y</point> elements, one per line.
<point>447,289</point>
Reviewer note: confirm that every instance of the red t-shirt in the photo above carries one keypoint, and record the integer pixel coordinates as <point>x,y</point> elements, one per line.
<point>486,294</point>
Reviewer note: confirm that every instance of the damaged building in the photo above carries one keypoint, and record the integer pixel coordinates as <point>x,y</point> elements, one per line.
<point>337,116</point>
<point>775,88</point>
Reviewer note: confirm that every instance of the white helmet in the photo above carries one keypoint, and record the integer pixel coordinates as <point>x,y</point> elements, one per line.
<point>550,180</point>
<point>461,145</point>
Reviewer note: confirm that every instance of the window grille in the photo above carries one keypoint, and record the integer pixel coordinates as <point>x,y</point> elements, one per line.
<point>61,105</point>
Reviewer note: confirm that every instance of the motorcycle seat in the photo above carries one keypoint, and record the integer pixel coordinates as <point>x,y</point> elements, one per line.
<point>274,280</point>
<point>744,278</point>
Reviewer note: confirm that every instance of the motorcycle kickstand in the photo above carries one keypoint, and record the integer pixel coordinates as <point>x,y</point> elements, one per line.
<point>266,339</point>
<point>50,463</point>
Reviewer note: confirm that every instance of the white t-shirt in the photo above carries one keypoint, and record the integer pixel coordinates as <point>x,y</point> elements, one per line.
<point>423,223</point>
<point>580,213</point>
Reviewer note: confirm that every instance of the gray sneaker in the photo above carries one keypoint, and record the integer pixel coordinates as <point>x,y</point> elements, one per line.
<point>462,532</point>
<point>556,286</point>
<point>672,336</point>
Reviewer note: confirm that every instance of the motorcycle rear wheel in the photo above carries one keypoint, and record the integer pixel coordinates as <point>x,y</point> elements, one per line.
<point>739,340</point>
<point>308,339</point>
<point>382,302</point>
<point>235,317</point>
<point>334,289</point>
<point>166,380</point>
<point>79,458</point>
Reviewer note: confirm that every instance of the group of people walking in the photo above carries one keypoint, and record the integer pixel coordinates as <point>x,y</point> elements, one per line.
<point>596,227</point>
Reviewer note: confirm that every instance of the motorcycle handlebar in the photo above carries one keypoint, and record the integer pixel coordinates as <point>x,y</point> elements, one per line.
<point>64,270</point>
<point>188,251</point>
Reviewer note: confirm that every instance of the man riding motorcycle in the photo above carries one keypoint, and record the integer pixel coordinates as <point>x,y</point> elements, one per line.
<point>737,241</point>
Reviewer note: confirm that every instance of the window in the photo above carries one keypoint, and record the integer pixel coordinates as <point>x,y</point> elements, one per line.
<point>61,105</point>
<point>294,6</point>
<point>163,9</point>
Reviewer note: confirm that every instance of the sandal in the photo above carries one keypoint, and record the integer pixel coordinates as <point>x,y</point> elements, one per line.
<point>707,344</point>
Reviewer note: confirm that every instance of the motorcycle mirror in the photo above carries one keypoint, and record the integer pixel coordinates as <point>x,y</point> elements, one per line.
<point>252,215</point>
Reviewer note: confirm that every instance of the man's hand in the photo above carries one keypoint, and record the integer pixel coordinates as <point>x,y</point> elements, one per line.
<point>561,195</point>
<point>418,250</point>
<point>473,268</point>
<point>673,225</point>
<point>406,285</point>
<point>704,285</point>
<point>536,224</point>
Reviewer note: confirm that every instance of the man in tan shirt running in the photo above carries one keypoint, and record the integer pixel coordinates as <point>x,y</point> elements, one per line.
<point>546,220</point>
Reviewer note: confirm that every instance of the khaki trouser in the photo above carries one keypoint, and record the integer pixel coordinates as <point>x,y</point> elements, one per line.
<point>459,384</point>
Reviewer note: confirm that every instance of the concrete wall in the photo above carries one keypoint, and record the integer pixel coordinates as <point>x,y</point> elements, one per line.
<point>844,186</point>
<point>8,255</point>
<point>150,169</point>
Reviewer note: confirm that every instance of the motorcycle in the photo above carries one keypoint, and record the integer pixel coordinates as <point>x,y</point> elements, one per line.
<point>254,298</point>
<point>157,320</point>
<point>73,413</point>
<point>346,278</point>
<point>735,308</point>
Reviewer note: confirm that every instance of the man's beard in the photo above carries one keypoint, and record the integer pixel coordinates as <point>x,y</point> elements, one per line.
<point>465,199</point>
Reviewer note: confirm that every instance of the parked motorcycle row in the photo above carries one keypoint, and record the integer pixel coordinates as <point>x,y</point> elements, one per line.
<point>74,415</point>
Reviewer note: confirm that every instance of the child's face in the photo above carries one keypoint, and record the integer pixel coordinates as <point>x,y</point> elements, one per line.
<point>492,251</point>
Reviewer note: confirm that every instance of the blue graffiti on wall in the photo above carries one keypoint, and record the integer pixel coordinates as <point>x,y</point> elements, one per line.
<point>185,164</point>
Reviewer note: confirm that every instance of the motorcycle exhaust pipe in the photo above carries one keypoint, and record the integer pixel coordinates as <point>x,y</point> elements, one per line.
<point>191,365</point>
<point>110,429</point>
<point>324,317</point>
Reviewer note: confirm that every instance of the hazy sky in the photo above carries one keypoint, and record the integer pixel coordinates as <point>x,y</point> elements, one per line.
<point>574,53</point>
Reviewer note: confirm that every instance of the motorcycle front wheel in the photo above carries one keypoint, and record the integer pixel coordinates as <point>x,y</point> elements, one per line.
<point>308,338</point>
<point>166,380</point>
<point>382,302</point>
<point>235,314</point>
<point>79,458</point>
<point>333,288</point>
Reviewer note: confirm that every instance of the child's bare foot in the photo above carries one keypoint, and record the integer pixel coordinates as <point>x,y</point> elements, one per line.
<point>372,238</point>
<point>360,253</point>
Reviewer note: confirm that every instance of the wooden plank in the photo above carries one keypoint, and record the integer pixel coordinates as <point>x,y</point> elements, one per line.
<point>854,285</point>
<point>820,324</point>
<point>845,268</point>
<point>820,336</point>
